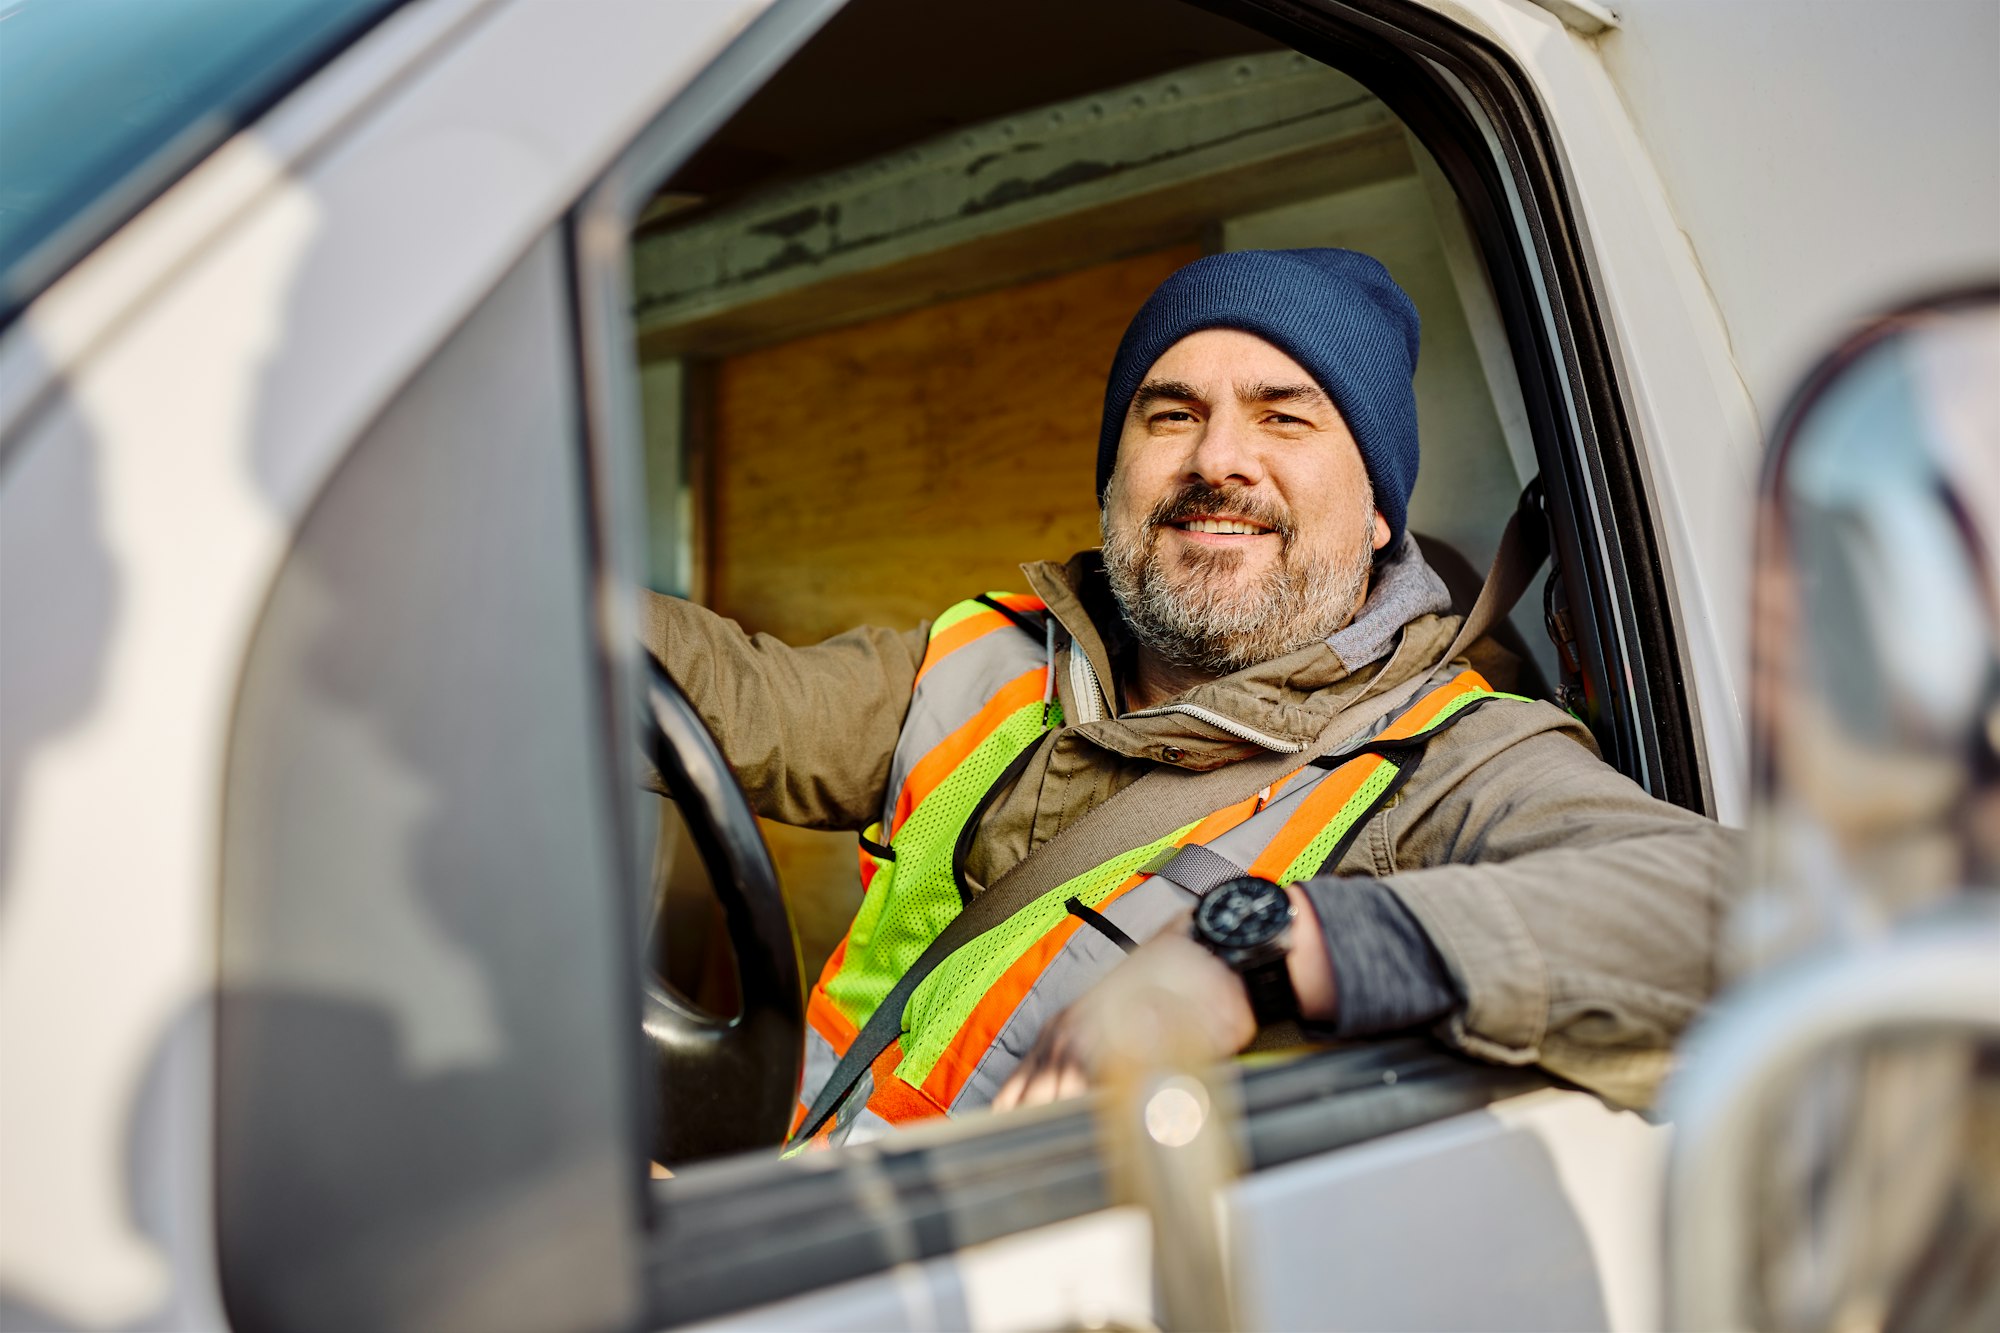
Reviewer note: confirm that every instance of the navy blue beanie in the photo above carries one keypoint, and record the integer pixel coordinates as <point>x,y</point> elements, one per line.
<point>1338,313</point>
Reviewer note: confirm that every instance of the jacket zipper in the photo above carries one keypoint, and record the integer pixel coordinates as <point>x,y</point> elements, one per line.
<point>1084,686</point>
<point>1223,724</point>
<point>1088,692</point>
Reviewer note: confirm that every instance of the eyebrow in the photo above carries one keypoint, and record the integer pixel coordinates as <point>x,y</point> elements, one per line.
<point>1179,391</point>
<point>1281,393</point>
<point>1172,391</point>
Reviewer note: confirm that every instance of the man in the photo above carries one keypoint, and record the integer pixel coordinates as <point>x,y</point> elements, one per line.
<point>1244,734</point>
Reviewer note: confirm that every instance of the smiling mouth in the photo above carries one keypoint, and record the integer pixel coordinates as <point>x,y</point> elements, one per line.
<point>1222,527</point>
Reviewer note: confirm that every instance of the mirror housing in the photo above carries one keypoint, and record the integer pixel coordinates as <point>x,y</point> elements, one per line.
<point>1823,1103</point>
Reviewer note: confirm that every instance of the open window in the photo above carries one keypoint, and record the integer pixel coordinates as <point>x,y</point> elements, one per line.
<point>871,310</point>
<point>847,307</point>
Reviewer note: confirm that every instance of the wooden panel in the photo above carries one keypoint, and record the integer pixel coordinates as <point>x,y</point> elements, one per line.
<point>877,474</point>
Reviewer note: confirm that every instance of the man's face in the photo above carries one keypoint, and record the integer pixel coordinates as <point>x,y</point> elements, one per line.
<point>1239,523</point>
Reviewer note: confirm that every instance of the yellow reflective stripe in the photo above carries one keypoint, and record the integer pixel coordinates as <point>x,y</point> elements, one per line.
<point>947,997</point>
<point>960,611</point>
<point>1463,701</point>
<point>897,921</point>
<point>965,610</point>
<point>1307,863</point>
<point>1312,857</point>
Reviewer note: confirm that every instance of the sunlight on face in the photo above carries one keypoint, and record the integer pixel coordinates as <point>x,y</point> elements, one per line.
<point>1239,522</point>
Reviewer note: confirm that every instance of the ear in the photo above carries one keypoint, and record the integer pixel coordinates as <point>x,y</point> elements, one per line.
<point>1380,536</point>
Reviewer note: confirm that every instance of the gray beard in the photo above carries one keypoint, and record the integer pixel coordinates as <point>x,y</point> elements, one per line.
<point>1197,617</point>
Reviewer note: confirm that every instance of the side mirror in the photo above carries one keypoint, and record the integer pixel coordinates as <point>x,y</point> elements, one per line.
<point>1823,1104</point>
<point>1876,695</point>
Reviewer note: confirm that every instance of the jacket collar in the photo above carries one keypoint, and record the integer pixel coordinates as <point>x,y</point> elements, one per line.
<point>1283,704</point>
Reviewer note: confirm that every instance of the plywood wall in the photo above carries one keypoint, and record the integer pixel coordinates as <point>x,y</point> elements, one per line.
<point>879,473</point>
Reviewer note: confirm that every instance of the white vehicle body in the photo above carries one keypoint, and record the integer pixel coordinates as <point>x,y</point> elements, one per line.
<point>173,405</point>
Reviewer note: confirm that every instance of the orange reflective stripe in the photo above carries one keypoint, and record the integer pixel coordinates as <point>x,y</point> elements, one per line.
<point>1217,824</point>
<point>1323,802</point>
<point>948,753</point>
<point>1426,709</point>
<point>824,1016</point>
<point>868,868</point>
<point>893,1099</point>
<point>975,627</point>
<point>1318,807</point>
<point>833,962</point>
<point>960,1060</point>
<point>1277,789</point>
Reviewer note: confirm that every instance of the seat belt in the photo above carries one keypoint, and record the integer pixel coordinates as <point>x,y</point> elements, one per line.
<point>1524,545</point>
<point>1163,799</point>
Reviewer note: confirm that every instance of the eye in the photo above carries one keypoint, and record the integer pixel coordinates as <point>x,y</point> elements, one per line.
<point>1284,419</point>
<point>1176,415</point>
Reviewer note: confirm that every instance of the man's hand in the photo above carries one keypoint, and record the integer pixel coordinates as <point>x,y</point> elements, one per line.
<point>1075,1047</point>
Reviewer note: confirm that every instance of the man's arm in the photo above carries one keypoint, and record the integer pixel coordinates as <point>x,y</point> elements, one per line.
<point>1577,917</point>
<point>809,731</point>
<point>1525,892</point>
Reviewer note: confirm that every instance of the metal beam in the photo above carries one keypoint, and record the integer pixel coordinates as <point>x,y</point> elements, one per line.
<point>1117,172</point>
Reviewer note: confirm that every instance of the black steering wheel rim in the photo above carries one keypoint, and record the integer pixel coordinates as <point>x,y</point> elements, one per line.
<point>721,1084</point>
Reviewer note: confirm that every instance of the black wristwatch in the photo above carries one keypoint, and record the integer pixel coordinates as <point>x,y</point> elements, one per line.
<point>1247,923</point>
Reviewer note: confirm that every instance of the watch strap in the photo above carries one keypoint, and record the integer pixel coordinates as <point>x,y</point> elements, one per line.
<point>1273,998</point>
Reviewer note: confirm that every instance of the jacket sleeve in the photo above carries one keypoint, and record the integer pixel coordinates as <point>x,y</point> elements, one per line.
<point>810,731</point>
<point>1578,916</point>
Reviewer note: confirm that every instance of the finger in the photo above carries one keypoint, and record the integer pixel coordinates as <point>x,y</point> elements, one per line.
<point>1070,1081</point>
<point>1016,1086</point>
<point>1034,1089</point>
<point>1048,1083</point>
<point>1009,1095</point>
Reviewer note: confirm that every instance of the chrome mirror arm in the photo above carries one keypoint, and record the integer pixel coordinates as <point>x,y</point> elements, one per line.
<point>1938,976</point>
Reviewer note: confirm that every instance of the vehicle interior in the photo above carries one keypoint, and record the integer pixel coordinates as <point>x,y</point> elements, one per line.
<point>871,362</point>
<point>874,309</point>
<point>838,298</point>
<point>806,306</point>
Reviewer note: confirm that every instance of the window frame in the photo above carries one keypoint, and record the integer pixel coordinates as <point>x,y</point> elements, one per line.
<point>1454,88</point>
<point>1474,109</point>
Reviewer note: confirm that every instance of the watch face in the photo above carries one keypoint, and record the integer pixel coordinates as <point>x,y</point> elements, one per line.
<point>1243,913</point>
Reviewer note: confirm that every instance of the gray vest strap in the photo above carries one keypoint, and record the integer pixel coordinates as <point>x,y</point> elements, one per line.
<point>1195,868</point>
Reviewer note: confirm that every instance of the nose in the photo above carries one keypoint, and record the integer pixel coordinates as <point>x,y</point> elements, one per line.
<point>1226,452</point>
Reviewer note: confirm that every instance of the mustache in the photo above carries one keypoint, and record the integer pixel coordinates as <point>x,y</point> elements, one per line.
<point>1201,500</point>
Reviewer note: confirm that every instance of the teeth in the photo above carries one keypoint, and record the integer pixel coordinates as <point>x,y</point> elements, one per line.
<point>1223,527</point>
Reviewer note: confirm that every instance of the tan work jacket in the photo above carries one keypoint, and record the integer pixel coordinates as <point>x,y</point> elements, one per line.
<point>1578,916</point>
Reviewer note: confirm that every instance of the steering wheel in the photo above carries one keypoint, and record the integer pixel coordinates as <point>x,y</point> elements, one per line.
<point>721,1085</point>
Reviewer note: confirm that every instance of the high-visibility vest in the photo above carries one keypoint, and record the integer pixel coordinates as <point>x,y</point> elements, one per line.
<point>983,700</point>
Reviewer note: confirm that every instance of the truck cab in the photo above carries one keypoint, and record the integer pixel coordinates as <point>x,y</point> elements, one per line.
<point>354,384</point>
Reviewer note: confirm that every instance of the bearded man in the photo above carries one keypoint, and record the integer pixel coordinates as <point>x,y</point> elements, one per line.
<point>1244,733</point>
